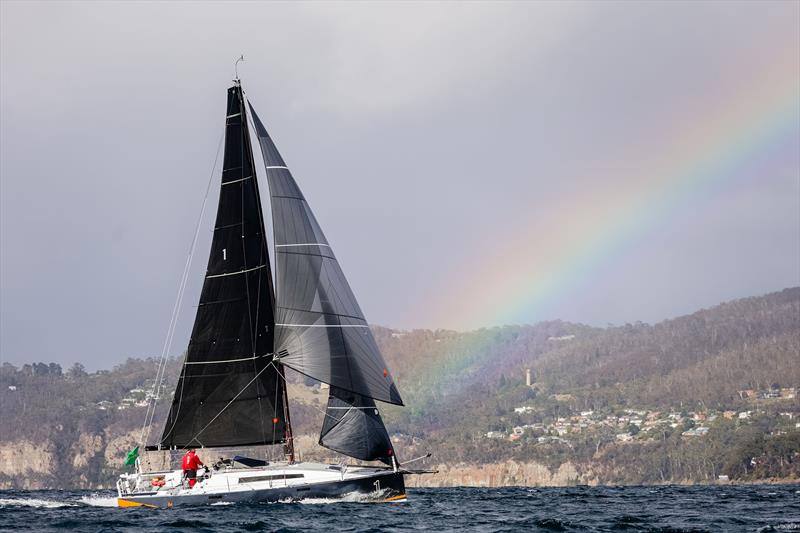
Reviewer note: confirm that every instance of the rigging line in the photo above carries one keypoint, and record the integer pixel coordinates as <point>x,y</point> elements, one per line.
<point>286,384</point>
<point>224,408</point>
<point>180,401</point>
<point>181,292</point>
<point>151,411</point>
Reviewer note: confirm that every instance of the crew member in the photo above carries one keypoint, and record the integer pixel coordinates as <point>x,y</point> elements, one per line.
<point>190,464</point>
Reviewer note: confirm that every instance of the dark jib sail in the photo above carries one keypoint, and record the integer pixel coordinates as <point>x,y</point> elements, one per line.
<point>320,330</point>
<point>353,427</point>
<point>228,393</point>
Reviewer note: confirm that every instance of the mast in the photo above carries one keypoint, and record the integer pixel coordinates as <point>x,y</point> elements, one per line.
<point>288,447</point>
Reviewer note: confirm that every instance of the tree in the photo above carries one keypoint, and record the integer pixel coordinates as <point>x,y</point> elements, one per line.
<point>76,371</point>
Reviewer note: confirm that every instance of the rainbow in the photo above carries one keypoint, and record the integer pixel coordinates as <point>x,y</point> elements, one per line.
<point>517,283</point>
<point>704,156</point>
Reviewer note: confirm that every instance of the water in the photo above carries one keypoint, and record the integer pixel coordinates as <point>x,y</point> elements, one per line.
<point>758,508</point>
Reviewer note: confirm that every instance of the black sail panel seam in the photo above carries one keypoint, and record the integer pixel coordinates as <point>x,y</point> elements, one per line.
<point>226,226</point>
<point>215,302</point>
<point>306,253</point>
<point>323,313</point>
<point>298,198</point>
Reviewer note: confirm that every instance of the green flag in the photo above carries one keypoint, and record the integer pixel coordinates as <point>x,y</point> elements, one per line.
<point>132,455</point>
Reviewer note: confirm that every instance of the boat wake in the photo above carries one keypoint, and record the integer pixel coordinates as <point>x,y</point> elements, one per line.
<point>350,497</point>
<point>96,500</point>
<point>34,502</point>
<point>93,500</point>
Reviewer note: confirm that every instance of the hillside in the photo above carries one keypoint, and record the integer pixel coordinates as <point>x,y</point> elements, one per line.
<point>685,400</point>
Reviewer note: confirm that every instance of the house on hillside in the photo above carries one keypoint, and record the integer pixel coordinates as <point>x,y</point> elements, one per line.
<point>695,432</point>
<point>561,338</point>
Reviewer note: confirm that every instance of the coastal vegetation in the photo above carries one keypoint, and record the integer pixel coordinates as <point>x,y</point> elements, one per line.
<point>701,398</point>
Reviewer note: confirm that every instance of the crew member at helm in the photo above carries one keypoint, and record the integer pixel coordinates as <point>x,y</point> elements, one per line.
<point>191,462</point>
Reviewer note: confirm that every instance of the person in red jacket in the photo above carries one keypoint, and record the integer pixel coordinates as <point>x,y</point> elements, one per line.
<point>191,462</point>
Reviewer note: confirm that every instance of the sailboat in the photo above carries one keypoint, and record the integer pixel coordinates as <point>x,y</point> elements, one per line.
<point>268,303</point>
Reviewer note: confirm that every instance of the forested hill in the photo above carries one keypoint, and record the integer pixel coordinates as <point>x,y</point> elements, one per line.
<point>688,399</point>
<point>705,357</point>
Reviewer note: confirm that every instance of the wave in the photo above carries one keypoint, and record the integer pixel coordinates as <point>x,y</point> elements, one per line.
<point>788,526</point>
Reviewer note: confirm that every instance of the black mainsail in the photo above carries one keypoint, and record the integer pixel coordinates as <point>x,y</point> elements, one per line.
<point>228,393</point>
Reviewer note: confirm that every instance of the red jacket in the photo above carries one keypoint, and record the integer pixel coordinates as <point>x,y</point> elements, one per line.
<point>191,461</point>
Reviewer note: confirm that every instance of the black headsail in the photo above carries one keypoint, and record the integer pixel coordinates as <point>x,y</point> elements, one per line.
<point>228,393</point>
<point>353,427</point>
<point>320,330</point>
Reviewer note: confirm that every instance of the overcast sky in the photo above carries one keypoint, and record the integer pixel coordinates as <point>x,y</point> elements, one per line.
<point>460,158</point>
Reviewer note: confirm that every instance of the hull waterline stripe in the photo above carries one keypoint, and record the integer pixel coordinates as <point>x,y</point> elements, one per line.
<point>226,360</point>
<point>323,325</point>
<point>234,273</point>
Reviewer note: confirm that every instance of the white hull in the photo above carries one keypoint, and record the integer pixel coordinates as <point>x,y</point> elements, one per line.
<point>274,482</point>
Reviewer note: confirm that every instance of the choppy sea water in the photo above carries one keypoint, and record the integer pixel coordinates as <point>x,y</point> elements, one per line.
<point>758,508</point>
